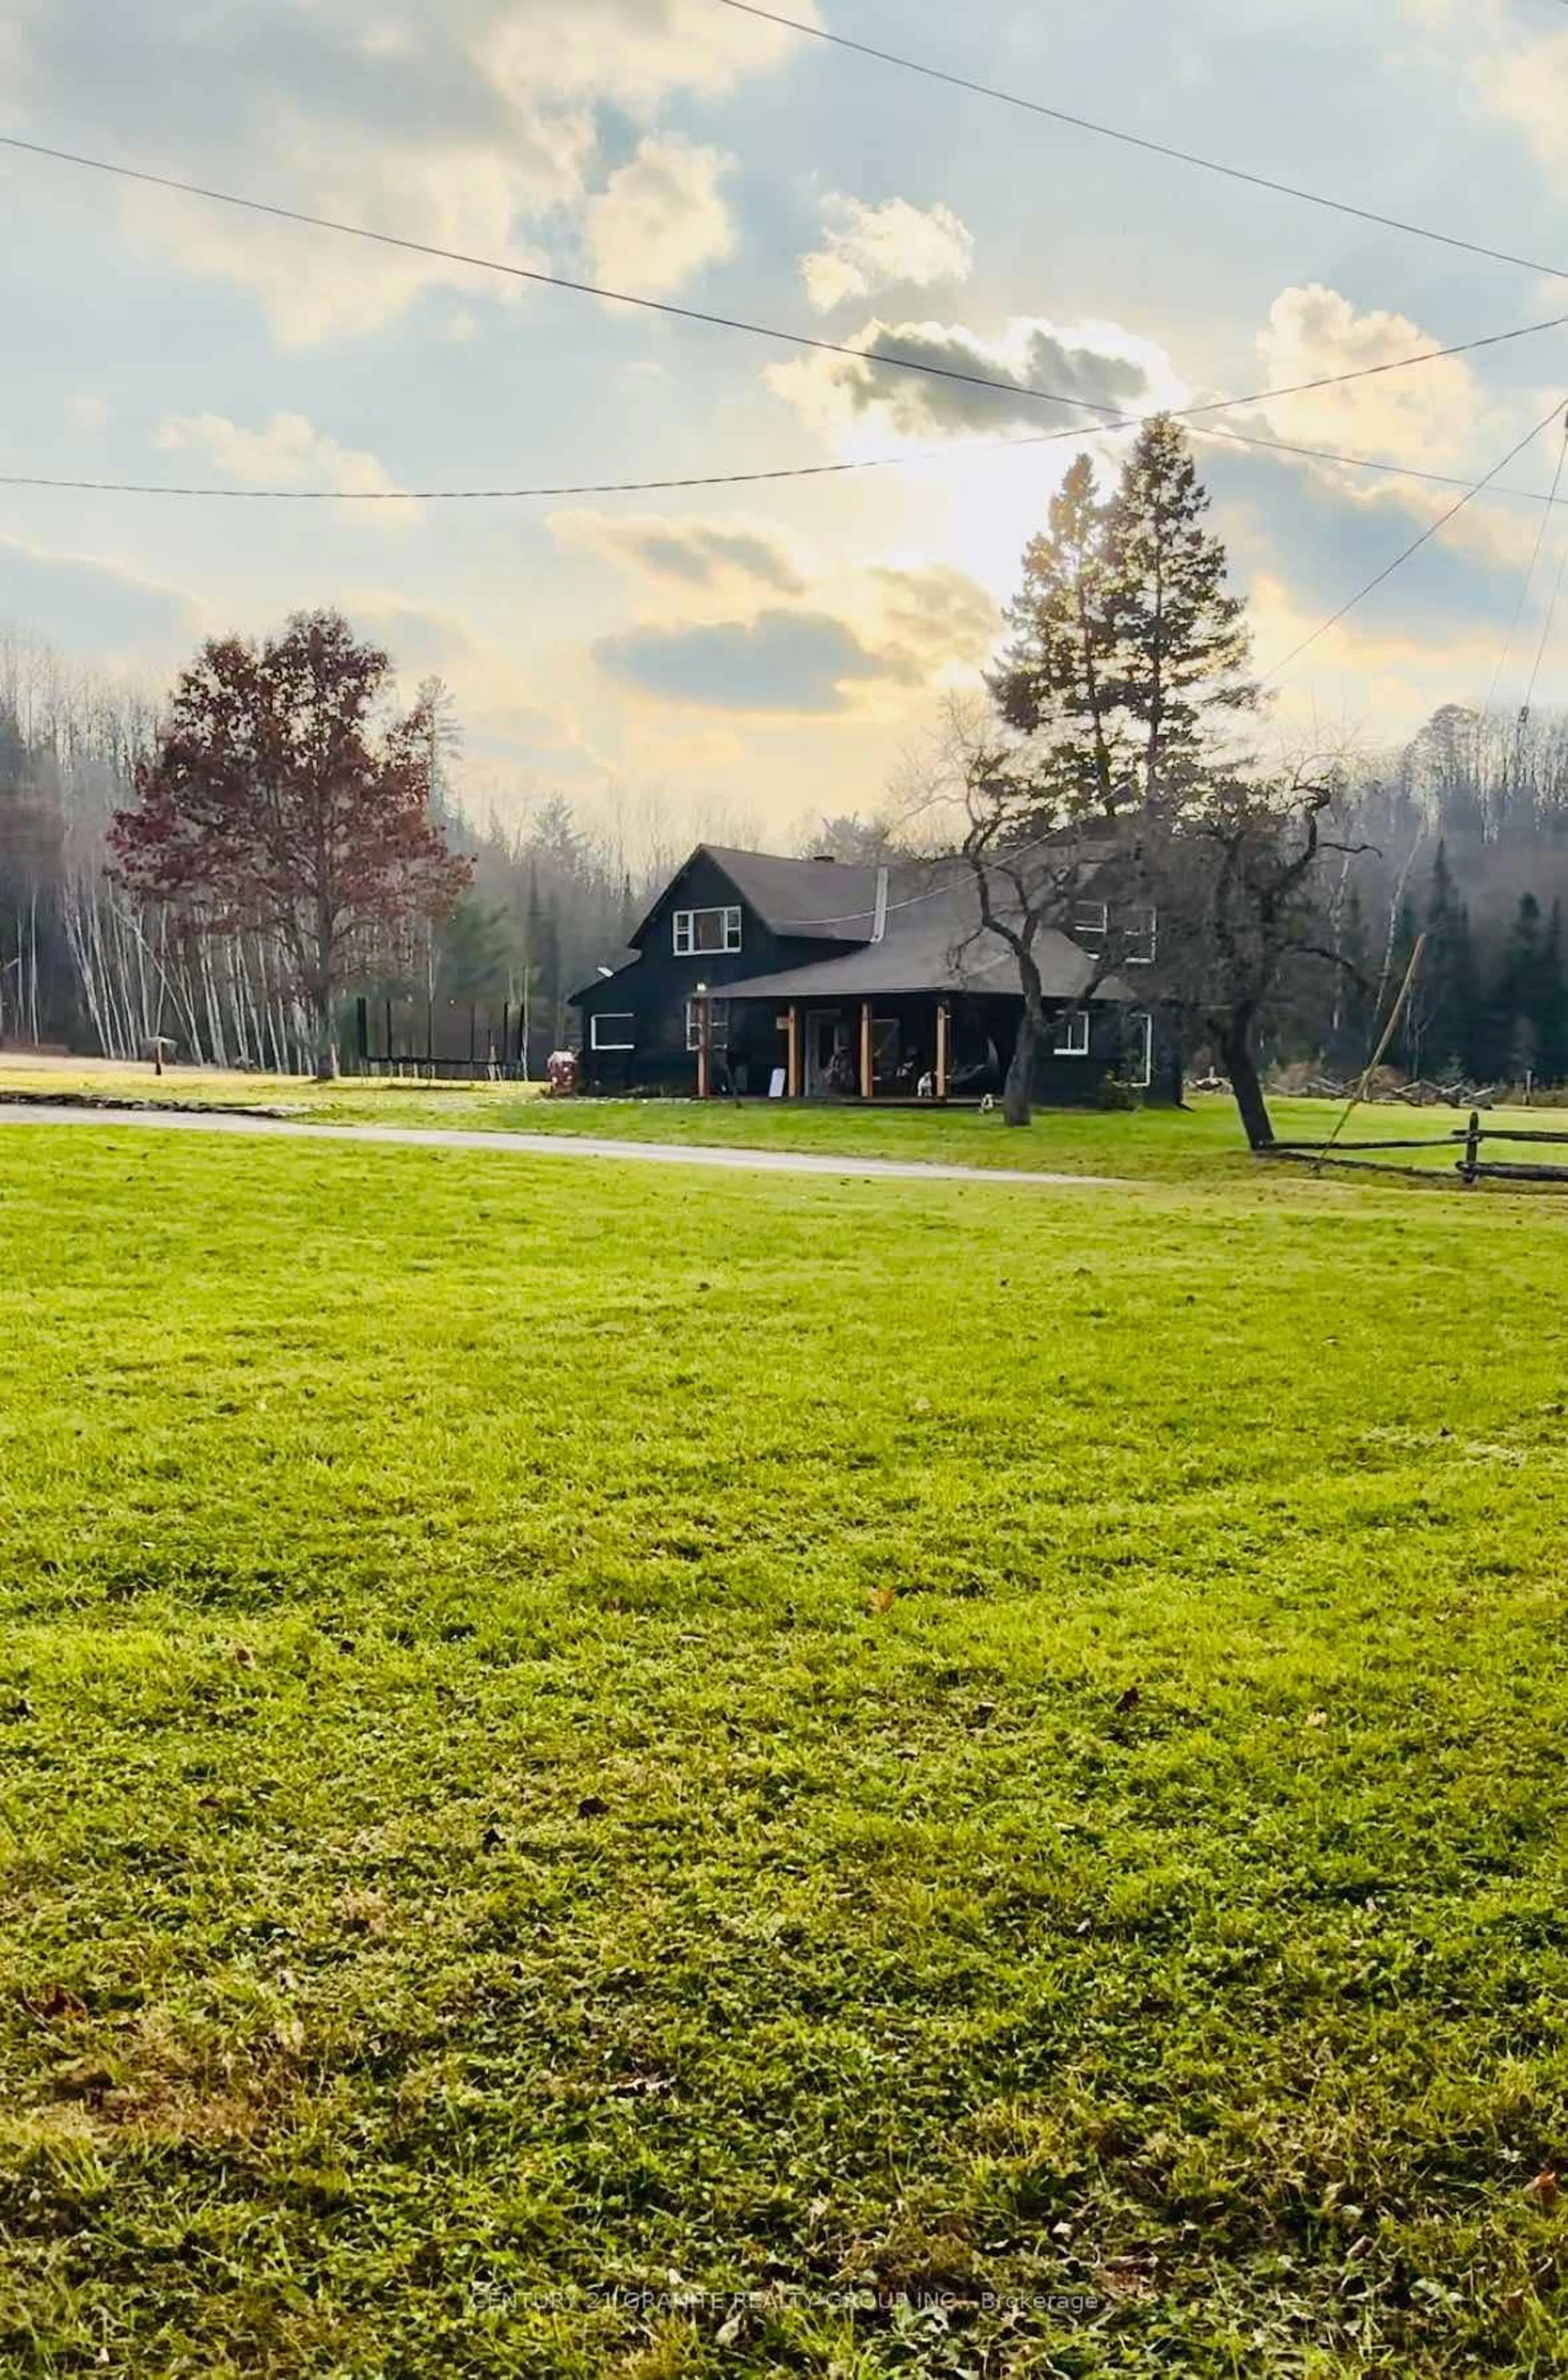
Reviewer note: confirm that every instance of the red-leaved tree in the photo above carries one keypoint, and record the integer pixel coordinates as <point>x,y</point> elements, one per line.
<point>288,796</point>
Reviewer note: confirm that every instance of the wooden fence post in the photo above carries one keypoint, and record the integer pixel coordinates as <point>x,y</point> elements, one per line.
<point>1472,1148</point>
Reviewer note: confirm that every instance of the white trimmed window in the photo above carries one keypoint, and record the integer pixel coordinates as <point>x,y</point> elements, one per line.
<point>717,1024</point>
<point>1072,1035</point>
<point>1140,1050</point>
<point>705,933</point>
<point>612,1031</point>
<point>1140,936</point>
<point>1091,921</point>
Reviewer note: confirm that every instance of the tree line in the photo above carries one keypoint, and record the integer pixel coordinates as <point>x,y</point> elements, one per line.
<point>181,924</point>
<point>221,869</point>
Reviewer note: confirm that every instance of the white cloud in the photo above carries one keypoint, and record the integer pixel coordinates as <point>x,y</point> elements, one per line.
<point>1527,86</point>
<point>1428,416</point>
<point>662,217</point>
<point>316,284</point>
<point>870,248</point>
<point>474,128</point>
<point>289,451</point>
<point>632,54</point>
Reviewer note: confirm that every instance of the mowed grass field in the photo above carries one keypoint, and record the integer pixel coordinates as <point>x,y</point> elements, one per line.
<point>1202,1143</point>
<point>576,1736</point>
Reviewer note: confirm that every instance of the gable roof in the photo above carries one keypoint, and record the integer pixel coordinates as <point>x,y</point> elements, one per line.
<point>933,942</point>
<point>816,900</point>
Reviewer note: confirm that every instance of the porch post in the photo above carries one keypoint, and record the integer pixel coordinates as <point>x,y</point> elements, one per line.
<point>792,1057</point>
<point>941,1049</point>
<point>702,1042</point>
<point>865,1048</point>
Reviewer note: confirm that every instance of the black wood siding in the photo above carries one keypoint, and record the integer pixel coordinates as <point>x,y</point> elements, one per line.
<point>655,989</point>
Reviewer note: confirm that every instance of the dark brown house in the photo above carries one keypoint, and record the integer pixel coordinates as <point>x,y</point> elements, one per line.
<point>807,978</point>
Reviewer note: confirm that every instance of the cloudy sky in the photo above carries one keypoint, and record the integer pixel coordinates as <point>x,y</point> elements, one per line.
<point>764,652</point>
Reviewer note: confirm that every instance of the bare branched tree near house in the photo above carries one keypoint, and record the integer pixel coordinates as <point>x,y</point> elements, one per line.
<point>1031,854</point>
<point>286,797</point>
<point>1243,909</point>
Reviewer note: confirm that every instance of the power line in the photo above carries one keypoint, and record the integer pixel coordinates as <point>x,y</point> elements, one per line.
<point>1414,547</point>
<point>1545,632</point>
<point>950,453</point>
<point>558,281</point>
<point>1136,141</point>
<point>725,321</point>
<point>1552,607</point>
<point>1524,596</point>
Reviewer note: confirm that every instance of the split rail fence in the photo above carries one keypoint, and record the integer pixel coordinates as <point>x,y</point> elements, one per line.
<point>1467,1140</point>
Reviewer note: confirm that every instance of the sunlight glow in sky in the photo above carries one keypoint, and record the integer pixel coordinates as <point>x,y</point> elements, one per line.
<point>759,654</point>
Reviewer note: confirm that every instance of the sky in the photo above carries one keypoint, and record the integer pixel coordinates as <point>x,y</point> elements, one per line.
<point>755,657</point>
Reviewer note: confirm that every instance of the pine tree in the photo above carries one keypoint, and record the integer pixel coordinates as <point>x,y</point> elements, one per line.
<point>476,953</point>
<point>1446,989</point>
<point>1182,650</point>
<point>1056,683</point>
<point>1518,998</point>
<point>1551,1003</point>
<point>542,957</point>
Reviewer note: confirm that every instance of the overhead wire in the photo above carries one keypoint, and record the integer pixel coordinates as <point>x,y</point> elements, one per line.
<point>1415,546</point>
<point>1112,416</point>
<point>951,452</point>
<point>536,274</point>
<point>1528,580</point>
<point>800,339</point>
<point>1551,606</point>
<point>1139,140</point>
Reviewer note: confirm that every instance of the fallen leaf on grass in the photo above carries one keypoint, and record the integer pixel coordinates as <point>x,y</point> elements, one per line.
<point>1544,2188</point>
<point>883,1598</point>
<point>363,1913</point>
<point>85,2078</point>
<point>55,2005</point>
<point>1130,2277</point>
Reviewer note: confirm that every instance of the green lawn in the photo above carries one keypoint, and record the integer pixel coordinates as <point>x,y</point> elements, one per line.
<point>566,1727</point>
<point>1203,1142</point>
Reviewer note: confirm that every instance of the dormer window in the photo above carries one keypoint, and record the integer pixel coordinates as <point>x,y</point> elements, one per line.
<point>707,933</point>
<point>1090,920</point>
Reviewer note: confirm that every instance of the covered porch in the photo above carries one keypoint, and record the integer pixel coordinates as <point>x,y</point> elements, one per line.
<point>931,1012</point>
<point>892,1048</point>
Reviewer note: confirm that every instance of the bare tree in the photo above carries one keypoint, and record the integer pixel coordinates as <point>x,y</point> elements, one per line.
<point>1243,904</point>
<point>1032,854</point>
